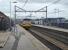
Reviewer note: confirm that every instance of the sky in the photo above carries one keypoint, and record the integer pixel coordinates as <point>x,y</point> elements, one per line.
<point>34,5</point>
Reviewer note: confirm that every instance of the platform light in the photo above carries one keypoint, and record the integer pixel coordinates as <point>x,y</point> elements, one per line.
<point>11,10</point>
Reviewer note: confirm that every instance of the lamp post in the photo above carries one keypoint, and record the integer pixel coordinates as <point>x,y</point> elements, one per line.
<point>15,29</point>
<point>46,13</point>
<point>15,12</point>
<point>10,14</point>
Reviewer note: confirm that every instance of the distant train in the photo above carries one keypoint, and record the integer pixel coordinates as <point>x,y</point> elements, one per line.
<point>4,22</point>
<point>26,23</point>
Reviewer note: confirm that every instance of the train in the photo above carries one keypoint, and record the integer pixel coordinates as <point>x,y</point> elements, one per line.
<point>4,22</point>
<point>26,23</point>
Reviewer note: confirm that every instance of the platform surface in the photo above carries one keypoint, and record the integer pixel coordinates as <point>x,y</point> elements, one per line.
<point>4,37</point>
<point>54,28</point>
<point>28,42</point>
<point>25,41</point>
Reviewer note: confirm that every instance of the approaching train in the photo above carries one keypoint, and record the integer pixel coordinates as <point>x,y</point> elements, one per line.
<point>26,23</point>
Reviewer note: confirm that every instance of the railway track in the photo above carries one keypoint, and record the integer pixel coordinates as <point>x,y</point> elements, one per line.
<point>53,40</point>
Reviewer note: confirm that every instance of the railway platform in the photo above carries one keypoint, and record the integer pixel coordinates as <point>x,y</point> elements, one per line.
<point>3,38</point>
<point>23,40</point>
<point>53,28</point>
<point>55,35</point>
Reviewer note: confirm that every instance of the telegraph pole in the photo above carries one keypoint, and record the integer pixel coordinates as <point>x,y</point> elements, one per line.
<point>58,13</point>
<point>15,14</point>
<point>55,11</point>
<point>15,17</point>
<point>46,15</point>
<point>10,15</point>
<point>46,11</point>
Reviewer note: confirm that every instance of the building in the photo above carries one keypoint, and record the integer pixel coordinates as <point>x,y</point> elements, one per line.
<point>49,21</point>
<point>4,21</point>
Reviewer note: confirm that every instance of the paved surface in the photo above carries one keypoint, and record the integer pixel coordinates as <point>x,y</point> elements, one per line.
<point>22,40</point>
<point>57,40</point>
<point>54,28</point>
<point>3,38</point>
<point>9,44</point>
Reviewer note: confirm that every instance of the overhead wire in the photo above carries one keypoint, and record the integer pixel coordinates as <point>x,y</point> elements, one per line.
<point>56,1</point>
<point>49,4</point>
<point>25,3</point>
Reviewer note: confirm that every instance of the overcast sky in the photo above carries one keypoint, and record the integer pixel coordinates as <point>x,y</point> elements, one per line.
<point>62,5</point>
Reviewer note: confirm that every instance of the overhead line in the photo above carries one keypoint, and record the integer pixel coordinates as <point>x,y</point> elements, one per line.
<point>56,1</point>
<point>49,5</point>
<point>21,8</point>
<point>41,8</point>
<point>25,3</point>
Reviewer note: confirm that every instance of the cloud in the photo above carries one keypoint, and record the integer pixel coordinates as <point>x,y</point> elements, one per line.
<point>35,5</point>
<point>35,1</point>
<point>0,0</point>
<point>65,2</point>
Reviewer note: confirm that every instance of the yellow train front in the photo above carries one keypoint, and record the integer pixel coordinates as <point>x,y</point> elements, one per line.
<point>26,23</point>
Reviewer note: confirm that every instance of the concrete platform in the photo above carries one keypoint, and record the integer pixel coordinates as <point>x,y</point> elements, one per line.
<point>53,28</point>
<point>3,38</point>
<point>53,40</point>
<point>23,40</point>
<point>29,42</point>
